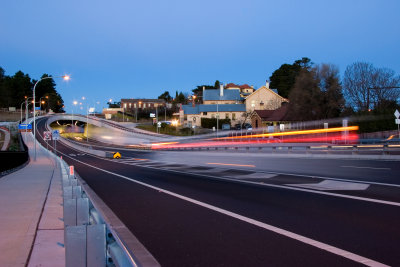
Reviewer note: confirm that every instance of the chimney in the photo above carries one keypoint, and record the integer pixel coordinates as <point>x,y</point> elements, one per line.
<point>267,84</point>
<point>221,90</point>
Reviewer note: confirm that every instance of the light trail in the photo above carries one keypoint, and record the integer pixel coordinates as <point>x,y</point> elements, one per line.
<point>315,131</point>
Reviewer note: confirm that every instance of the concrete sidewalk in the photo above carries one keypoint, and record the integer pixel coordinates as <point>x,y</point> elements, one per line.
<point>31,212</point>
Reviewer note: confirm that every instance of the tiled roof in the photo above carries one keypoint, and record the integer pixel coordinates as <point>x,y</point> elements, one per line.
<point>232,85</point>
<point>213,94</point>
<point>189,109</point>
<point>273,115</point>
<point>245,86</point>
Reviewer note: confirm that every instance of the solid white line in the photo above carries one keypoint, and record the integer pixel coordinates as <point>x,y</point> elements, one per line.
<point>303,239</point>
<point>360,167</point>
<point>277,186</point>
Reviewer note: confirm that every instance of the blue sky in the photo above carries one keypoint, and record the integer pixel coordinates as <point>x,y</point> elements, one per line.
<point>131,49</point>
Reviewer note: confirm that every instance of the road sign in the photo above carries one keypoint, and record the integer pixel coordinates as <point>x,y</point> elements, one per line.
<point>25,127</point>
<point>46,135</point>
<point>397,121</point>
<point>397,114</point>
<point>159,124</point>
<point>55,135</point>
<point>117,155</point>
<point>152,115</point>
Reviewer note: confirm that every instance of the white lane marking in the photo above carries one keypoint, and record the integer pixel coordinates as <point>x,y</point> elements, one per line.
<point>300,238</point>
<point>279,186</point>
<point>361,167</point>
<point>256,175</point>
<point>391,203</point>
<point>333,185</point>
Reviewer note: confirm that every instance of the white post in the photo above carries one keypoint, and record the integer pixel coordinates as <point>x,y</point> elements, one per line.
<point>87,124</point>
<point>157,118</point>
<point>21,111</point>
<point>217,119</point>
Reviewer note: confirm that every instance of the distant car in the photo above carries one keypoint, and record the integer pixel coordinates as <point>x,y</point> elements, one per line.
<point>226,126</point>
<point>247,126</point>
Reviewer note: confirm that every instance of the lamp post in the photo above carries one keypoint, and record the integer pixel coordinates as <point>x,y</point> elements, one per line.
<point>26,106</point>
<point>217,119</point>
<point>66,78</point>
<point>75,103</point>
<point>137,108</point>
<point>42,102</point>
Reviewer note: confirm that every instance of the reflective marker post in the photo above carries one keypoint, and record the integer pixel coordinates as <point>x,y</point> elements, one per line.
<point>71,171</point>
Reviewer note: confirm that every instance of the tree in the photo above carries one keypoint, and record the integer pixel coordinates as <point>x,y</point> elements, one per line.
<point>181,98</point>
<point>166,96</point>
<point>114,104</point>
<point>14,89</point>
<point>46,89</point>
<point>198,91</point>
<point>329,83</point>
<point>305,97</point>
<point>366,87</point>
<point>284,78</point>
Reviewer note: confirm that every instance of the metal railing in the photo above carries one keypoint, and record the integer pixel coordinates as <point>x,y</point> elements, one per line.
<point>384,149</point>
<point>93,235</point>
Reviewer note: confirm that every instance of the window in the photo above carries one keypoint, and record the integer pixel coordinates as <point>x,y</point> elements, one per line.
<point>226,115</point>
<point>233,116</point>
<point>124,105</point>
<point>130,105</point>
<point>205,113</point>
<point>134,105</point>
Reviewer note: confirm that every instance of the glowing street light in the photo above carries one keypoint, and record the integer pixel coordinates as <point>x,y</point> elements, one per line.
<point>66,78</point>
<point>75,103</point>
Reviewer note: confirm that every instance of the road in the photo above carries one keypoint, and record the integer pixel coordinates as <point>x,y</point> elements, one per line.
<point>204,214</point>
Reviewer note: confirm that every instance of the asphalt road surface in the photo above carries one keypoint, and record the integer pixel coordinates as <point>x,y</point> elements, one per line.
<point>292,212</point>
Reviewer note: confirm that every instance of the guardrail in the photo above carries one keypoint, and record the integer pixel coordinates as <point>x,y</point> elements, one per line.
<point>384,149</point>
<point>93,235</point>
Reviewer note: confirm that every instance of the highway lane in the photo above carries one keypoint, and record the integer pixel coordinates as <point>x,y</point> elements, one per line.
<point>381,171</point>
<point>368,170</point>
<point>378,171</point>
<point>180,233</point>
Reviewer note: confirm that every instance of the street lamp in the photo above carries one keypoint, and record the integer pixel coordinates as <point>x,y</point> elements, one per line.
<point>26,107</point>
<point>139,103</point>
<point>75,103</point>
<point>66,78</point>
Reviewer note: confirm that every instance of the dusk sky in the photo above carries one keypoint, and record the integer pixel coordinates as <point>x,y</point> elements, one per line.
<point>139,49</point>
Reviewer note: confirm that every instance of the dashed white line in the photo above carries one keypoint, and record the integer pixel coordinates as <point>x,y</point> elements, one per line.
<point>334,250</point>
